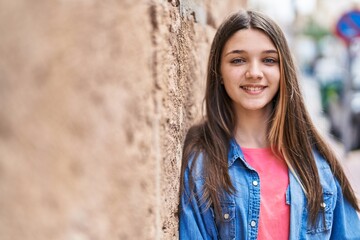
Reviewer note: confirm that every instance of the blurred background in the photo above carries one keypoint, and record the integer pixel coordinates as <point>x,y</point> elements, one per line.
<point>96,97</point>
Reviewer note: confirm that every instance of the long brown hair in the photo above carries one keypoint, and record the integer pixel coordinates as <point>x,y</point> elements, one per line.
<point>291,129</point>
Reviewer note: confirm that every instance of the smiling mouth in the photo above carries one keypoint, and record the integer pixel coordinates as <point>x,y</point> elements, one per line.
<point>253,89</point>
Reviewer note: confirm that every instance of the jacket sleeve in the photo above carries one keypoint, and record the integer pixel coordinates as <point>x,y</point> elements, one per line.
<point>195,221</point>
<point>346,222</point>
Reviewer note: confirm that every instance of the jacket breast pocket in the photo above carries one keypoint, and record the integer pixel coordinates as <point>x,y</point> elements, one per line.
<point>325,217</point>
<point>226,223</point>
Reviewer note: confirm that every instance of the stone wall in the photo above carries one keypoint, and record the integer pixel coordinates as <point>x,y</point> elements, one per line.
<point>95,99</point>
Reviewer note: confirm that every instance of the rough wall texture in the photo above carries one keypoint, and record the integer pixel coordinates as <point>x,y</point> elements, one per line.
<point>95,99</point>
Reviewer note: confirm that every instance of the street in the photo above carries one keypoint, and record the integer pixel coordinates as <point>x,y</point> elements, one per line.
<point>349,161</point>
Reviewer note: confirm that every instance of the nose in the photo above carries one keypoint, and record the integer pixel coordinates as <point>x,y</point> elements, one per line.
<point>254,71</point>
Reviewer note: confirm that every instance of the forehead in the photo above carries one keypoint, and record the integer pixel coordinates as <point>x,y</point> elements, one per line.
<point>249,40</point>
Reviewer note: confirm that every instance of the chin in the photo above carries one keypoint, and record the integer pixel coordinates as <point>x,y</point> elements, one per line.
<point>258,107</point>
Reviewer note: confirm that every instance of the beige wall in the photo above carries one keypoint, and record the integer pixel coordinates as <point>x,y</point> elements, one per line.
<point>95,99</point>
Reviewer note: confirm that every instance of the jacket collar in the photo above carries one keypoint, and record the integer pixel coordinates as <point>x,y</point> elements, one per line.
<point>234,153</point>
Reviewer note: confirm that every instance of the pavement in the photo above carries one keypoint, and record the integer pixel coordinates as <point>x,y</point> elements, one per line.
<point>350,161</point>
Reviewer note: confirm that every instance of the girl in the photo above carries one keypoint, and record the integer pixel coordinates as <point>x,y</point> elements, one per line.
<point>256,167</point>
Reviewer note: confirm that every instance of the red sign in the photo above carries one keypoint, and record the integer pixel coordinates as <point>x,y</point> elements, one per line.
<point>348,26</point>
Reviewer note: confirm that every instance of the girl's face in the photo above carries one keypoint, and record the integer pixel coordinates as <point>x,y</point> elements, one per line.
<point>250,70</point>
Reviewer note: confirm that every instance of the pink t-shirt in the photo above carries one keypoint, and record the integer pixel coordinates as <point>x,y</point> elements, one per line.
<point>274,222</point>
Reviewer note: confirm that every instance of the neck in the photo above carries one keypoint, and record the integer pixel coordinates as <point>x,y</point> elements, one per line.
<point>251,129</point>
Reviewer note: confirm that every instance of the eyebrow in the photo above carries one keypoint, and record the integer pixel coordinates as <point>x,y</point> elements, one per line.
<point>236,51</point>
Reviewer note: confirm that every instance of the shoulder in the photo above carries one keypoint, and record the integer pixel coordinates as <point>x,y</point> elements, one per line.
<point>321,162</point>
<point>193,150</point>
<point>327,178</point>
<point>195,165</point>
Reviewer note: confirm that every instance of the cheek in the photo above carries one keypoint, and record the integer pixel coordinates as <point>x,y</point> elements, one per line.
<point>230,88</point>
<point>274,76</point>
<point>231,74</point>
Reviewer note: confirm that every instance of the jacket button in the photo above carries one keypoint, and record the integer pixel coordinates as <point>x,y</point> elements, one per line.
<point>253,223</point>
<point>255,183</point>
<point>226,216</point>
<point>323,205</point>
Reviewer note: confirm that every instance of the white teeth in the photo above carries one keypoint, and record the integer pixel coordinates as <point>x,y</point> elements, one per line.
<point>252,88</point>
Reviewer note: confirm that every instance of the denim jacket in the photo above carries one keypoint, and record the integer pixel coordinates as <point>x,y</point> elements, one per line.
<point>240,211</point>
